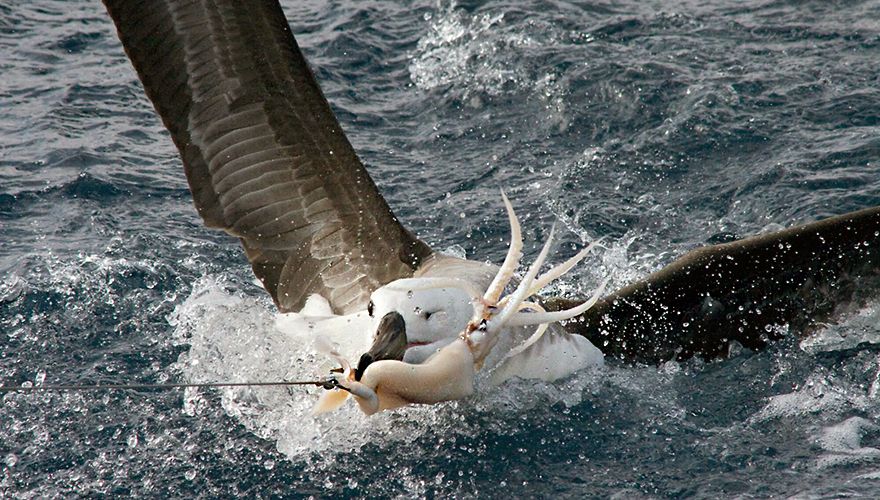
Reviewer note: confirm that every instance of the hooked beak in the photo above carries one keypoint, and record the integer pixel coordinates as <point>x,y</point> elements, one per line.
<point>389,342</point>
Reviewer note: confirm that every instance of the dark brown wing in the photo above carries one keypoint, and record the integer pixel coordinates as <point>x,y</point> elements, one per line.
<point>265,157</point>
<point>739,291</point>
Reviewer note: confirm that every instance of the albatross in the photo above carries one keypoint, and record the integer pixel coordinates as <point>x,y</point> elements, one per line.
<point>268,162</point>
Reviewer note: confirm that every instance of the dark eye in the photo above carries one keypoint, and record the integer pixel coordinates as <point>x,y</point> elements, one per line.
<point>483,326</point>
<point>370,308</point>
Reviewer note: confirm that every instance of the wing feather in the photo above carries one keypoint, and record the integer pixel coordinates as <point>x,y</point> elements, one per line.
<point>265,157</point>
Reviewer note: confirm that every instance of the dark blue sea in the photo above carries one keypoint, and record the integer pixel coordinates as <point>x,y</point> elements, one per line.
<point>657,125</point>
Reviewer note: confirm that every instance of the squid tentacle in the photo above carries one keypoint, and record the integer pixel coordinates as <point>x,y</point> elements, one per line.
<point>511,260</point>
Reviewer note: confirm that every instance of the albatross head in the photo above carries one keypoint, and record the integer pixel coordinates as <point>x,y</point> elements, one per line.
<point>433,311</point>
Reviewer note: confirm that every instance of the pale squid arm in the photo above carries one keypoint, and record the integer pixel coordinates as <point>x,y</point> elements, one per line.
<point>524,319</point>
<point>445,376</point>
<point>511,260</point>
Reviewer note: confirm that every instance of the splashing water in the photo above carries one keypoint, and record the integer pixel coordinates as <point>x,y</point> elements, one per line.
<point>656,130</point>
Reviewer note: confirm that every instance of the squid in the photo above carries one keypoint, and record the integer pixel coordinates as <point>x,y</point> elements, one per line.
<point>449,374</point>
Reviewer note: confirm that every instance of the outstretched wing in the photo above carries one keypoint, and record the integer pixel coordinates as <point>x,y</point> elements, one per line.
<point>265,157</point>
<point>739,291</point>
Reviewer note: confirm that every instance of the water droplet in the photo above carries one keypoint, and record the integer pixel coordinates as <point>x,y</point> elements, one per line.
<point>11,460</point>
<point>269,464</point>
<point>132,440</point>
<point>190,475</point>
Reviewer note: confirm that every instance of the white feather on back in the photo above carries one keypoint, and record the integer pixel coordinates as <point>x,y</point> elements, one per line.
<point>555,355</point>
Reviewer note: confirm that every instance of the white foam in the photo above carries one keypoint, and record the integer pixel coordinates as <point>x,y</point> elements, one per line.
<point>233,337</point>
<point>816,395</point>
<point>862,326</point>
<point>843,443</point>
<point>473,52</point>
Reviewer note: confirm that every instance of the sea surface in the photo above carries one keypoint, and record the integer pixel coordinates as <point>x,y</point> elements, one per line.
<point>656,125</point>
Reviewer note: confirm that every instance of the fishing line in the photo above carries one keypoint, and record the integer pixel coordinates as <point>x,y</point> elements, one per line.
<point>328,384</point>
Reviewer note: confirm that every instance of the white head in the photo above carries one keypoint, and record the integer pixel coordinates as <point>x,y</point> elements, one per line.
<point>435,311</point>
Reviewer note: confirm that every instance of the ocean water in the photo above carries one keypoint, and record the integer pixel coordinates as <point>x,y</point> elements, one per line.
<point>659,126</point>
